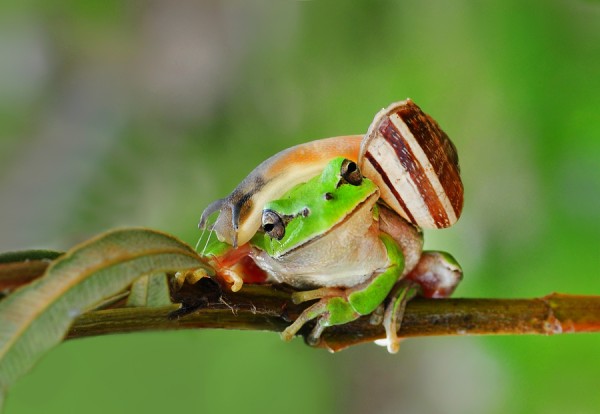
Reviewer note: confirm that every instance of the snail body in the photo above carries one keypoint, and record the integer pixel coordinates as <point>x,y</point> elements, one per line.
<point>404,152</point>
<point>240,212</point>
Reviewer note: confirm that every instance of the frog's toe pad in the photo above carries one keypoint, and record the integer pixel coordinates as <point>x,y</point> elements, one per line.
<point>190,276</point>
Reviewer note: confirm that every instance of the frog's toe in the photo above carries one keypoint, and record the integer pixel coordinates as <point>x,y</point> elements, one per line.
<point>314,337</point>
<point>376,317</point>
<point>232,277</point>
<point>190,276</point>
<point>307,315</point>
<point>307,295</point>
<point>178,280</point>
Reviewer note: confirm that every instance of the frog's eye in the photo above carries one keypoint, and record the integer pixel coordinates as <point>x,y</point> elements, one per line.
<point>351,173</point>
<point>272,224</point>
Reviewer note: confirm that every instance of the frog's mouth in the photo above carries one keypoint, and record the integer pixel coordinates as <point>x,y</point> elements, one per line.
<point>361,216</point>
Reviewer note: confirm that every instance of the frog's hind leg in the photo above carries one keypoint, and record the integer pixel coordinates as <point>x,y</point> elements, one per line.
<point>337,306</point>
<point>436,276</point>
<point>318,310</point>
<point>404,291</point>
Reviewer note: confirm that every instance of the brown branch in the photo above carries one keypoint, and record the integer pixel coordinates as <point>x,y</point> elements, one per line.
<point>19,268</point>
<point>264,307</point>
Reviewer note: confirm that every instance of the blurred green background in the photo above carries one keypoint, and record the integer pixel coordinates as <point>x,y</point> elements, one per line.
<point>140,113</point>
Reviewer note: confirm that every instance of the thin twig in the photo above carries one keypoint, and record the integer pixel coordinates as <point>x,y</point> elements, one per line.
<point>264,307</point>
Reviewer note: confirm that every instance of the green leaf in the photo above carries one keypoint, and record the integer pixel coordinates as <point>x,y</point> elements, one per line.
<point>37,316</point>
<point>28,255</point>
<point>151,291</point>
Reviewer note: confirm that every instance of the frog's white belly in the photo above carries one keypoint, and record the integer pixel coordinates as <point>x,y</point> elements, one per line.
<point>348,254</point>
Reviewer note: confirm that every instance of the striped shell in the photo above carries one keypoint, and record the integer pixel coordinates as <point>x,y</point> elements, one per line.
<point>415,165</point>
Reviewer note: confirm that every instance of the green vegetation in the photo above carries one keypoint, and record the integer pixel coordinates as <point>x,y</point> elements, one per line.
<point>142,114</point>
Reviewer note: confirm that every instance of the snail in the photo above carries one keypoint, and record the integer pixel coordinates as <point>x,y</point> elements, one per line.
<point>405,152</point>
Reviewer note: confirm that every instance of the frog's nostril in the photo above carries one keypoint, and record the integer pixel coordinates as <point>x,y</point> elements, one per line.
<point>328,196</point>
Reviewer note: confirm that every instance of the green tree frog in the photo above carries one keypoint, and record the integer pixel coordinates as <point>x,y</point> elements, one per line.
<point>307,217</point>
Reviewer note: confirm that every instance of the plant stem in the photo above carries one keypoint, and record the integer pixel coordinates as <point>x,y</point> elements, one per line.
<point>266,307</point>
<point>263,307</point>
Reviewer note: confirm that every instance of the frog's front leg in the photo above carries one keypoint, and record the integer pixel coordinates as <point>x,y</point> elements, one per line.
<point>233,266</point>
<point>339,306</point>
<point>193,276</point>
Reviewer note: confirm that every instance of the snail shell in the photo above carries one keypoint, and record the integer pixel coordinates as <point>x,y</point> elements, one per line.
<point>415,165</point>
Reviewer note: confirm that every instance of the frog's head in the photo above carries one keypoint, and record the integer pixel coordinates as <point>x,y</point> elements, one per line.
<point>313,208</point>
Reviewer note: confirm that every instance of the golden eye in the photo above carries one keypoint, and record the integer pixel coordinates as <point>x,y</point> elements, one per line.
<point>272,224</point>
<point>350,172</point>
